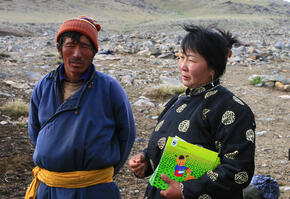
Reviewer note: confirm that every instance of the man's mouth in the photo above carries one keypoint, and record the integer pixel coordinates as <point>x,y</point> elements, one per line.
<point>76,63</point>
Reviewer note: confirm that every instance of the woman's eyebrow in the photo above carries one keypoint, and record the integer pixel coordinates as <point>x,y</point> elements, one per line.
<point>192,55</point>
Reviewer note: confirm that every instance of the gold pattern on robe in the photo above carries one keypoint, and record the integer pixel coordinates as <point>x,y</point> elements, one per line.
<point>218,146</point>
<point>181,95</point>
<point>181,186</point>
<point>152,164</point>
<point>184,125</point>
<point>159,125</point>
<point>232,155</point>
<point>204,112</point>
<point>199,90</point>
<point>204,196</point>
<point>210,93</point>
<point>161,142</point>
<point>212,175</point>
<point>181,108</point>
<point>238,100</point>
<point>250,135</point>
<point>228,117</point>
<point>241,177</point>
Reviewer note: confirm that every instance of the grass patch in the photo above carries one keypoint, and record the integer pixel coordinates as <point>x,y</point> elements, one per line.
<point>16,107</point>
<point>49,55</point>
<point>164,91</point>
<point>13,61</point>
<point>257,80</point>
<point>4,55</point>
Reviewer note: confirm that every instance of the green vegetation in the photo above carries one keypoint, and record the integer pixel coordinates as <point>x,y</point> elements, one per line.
<point>164,91</point>
<point>129,15</point>
<point>16,107</point>
<point>257,80</point>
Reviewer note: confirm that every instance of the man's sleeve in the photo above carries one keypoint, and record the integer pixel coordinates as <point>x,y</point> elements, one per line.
<point>33,122</point>
<point>125,124</point>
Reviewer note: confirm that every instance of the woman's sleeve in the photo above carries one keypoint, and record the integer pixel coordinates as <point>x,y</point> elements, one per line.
<point>235,142</point>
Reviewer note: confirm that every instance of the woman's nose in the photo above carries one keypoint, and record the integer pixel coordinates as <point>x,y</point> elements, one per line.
<point>183,65</point>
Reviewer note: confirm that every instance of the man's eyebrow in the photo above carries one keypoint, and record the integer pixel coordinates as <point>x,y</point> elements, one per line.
<point>83,43</point>
<point>69,42</point>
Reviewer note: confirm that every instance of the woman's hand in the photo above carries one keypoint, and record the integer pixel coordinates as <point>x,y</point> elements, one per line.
<point>173,191</point>
<point>138,164</point>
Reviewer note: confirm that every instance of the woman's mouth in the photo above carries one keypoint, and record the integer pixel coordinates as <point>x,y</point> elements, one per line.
<point>185,77</point>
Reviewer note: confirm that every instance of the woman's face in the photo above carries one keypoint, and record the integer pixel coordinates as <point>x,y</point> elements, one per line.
<point>194,69</point>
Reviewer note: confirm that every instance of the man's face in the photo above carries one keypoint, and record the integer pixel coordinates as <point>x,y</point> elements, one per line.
<point>77,57</point>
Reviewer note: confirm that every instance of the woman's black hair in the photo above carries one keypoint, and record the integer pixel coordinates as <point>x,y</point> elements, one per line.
<point>75,36</point>
<point>213,45</point>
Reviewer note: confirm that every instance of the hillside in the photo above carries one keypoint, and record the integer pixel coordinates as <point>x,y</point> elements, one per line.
<point>126,15</point>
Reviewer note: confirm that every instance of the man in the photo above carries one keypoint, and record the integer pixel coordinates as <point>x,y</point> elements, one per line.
<point>80,122</point>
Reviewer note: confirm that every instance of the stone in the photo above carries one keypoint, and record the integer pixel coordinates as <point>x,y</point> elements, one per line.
<point>143,102</point>
<point>270,84</point>
<point>287,88</point>
<point>279,85</point>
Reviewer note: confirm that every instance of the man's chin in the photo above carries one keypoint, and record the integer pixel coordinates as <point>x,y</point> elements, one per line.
<point>76,66</point>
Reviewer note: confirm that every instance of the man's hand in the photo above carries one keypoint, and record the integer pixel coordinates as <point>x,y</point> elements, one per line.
<point>173,191</point>
<point>138,164</point>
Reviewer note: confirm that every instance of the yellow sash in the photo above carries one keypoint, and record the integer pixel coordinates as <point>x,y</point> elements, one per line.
<point>74,179</point>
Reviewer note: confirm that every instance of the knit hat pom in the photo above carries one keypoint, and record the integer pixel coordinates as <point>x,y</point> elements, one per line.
<point>94,22</point>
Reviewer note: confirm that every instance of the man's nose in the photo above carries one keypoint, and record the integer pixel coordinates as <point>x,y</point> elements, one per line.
<point>77,51</point>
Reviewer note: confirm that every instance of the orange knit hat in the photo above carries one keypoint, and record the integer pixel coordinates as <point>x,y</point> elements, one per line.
<point>84,25</point>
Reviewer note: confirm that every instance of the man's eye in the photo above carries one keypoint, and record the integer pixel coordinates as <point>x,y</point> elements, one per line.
<point>86,46</point>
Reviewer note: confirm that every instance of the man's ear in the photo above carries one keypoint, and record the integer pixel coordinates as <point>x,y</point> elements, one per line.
<point>58,49</point>
<point>230,54</point>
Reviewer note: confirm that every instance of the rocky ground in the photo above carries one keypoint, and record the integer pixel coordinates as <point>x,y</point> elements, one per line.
<point>142,61</point>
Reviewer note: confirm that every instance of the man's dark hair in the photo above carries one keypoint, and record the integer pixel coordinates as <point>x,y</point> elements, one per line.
<point>75,36</point>
<point>214,46</point>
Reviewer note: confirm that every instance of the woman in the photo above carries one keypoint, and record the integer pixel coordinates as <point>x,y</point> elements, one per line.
<point>207,115</point>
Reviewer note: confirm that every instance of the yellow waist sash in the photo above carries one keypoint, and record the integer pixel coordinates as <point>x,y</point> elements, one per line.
<point>73,179</point>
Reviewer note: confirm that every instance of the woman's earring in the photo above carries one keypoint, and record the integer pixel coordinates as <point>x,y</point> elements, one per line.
<point>212,81</point>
